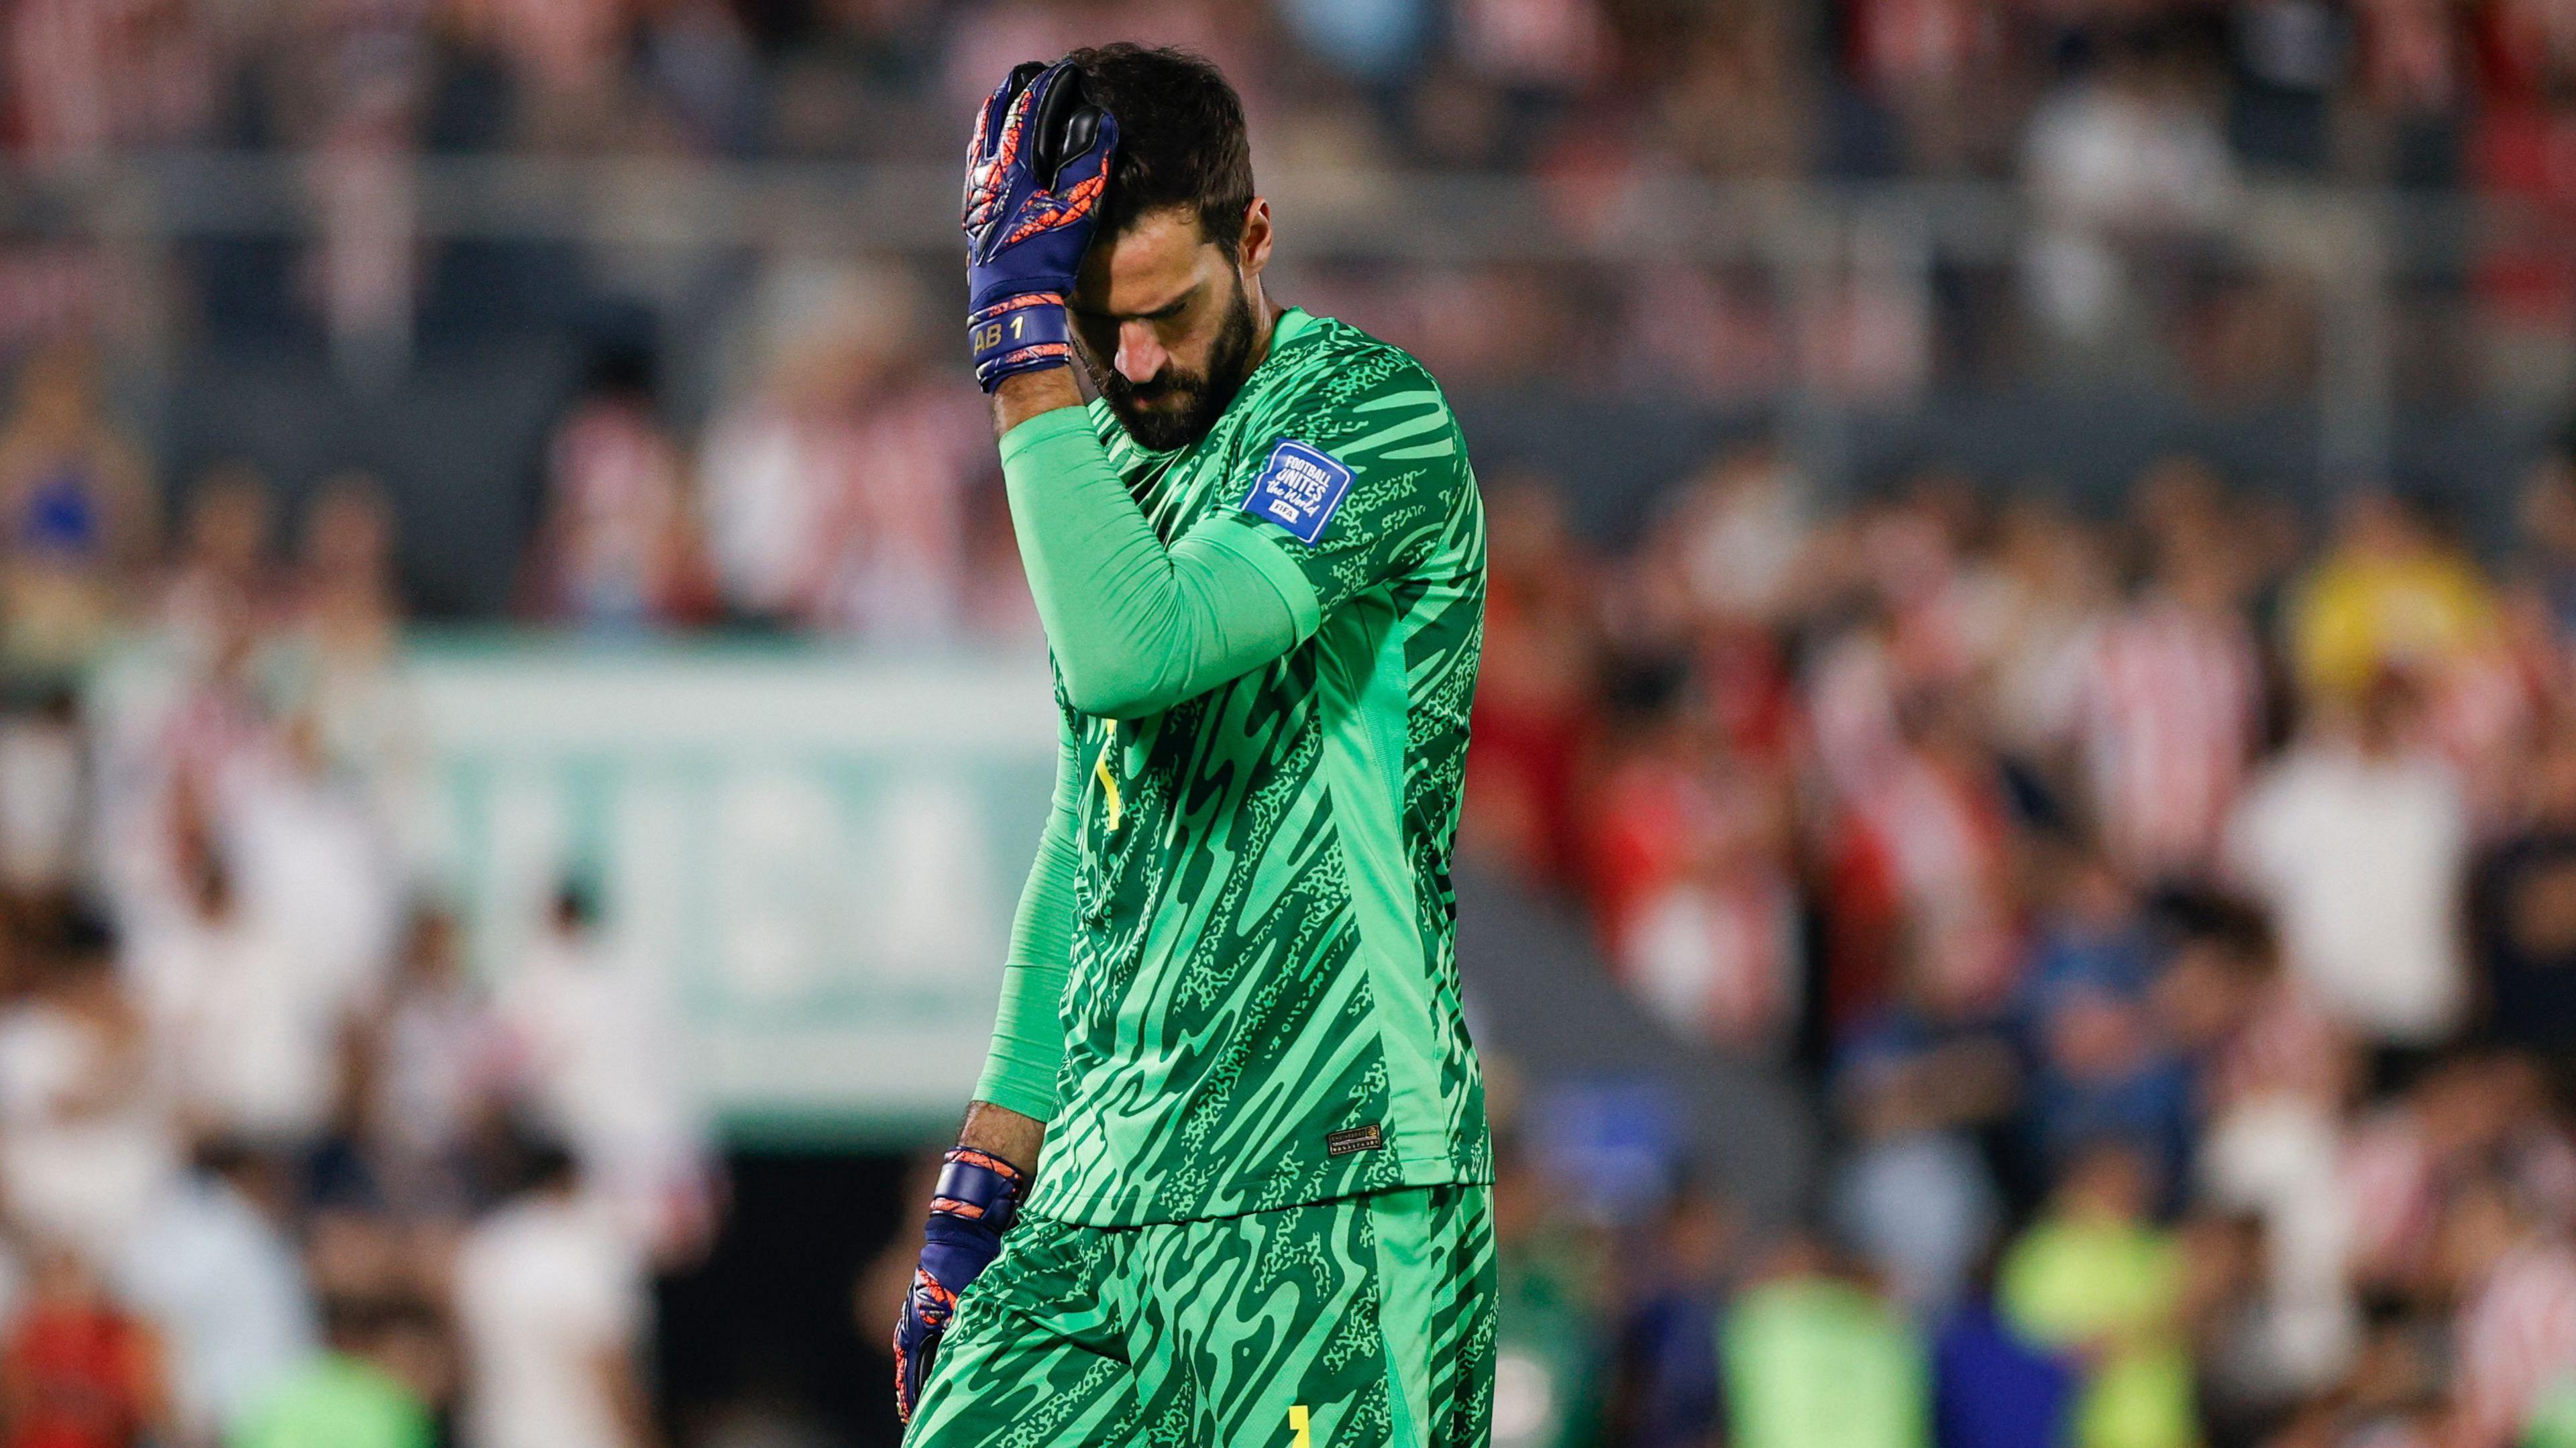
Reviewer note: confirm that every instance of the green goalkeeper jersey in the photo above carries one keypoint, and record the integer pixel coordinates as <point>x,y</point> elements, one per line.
<point>1260,1007</point>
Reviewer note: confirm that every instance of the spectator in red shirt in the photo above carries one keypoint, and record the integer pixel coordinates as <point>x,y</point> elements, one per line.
<point>2171,712</point>
<point>620,546</point>
<point>1535,696</point>
<point>78,1372</point>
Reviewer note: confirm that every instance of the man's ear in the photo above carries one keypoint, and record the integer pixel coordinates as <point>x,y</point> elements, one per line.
<point>1253,252</point>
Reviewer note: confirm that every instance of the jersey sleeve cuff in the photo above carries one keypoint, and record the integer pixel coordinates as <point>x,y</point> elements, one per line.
<point>1009,1085</point>
<point>1272,562</point>
<point>1028,1039</point>
<point>1033,1105</point>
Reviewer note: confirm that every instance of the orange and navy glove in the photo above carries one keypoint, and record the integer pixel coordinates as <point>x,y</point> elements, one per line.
<point>1034,177</point>
<point>977,1200</point>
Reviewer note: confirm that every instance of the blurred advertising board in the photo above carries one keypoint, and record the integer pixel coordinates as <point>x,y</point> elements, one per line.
<point>817,852</point>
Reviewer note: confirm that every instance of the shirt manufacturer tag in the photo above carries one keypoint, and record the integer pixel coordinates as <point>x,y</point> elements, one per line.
<point>1351,1139</point>
<point>1299,488</point>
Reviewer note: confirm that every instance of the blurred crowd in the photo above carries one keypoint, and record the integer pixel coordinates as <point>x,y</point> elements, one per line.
<point>2171,914</point>
<point>839,486</point>
<point>2172,910</point>
<point>285,1161</point>
<point>2131,130</point>
<point>2419,92</point>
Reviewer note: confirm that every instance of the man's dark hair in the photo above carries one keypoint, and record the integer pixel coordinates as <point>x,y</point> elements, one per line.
<point>1181,138</point>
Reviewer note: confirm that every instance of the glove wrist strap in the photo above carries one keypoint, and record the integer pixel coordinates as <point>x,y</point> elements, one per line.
<point>1025,333</point>
<point>977,1186</point>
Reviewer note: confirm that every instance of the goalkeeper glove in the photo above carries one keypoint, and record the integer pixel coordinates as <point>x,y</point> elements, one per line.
<point>976,1201</point>
<point>1034,177</point>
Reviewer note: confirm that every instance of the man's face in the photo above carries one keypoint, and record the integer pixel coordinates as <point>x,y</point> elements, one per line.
<point>1166,326</point>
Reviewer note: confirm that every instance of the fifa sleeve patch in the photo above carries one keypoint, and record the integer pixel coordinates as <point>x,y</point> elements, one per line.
<point>1299,489</point>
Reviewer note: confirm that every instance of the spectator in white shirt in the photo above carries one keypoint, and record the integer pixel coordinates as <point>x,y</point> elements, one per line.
<point>313,859</point>
<point>2358,840</point>
<point>85,1141</point>
<point>247,1040</point>
<point>599,1057</point>
<point>44,796</point>
<point>211,1268</point>
<point>836,488</point>
<point>550,1301</point>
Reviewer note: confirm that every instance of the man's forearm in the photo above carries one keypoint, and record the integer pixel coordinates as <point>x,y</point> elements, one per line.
<point>1005,1133</point>
<point>1026,394</point>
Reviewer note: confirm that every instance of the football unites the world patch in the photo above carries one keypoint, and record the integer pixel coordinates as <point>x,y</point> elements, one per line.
<point>1298,489</point>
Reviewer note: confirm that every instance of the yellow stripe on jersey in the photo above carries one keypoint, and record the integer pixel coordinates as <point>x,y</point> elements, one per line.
<point>1107,776</point>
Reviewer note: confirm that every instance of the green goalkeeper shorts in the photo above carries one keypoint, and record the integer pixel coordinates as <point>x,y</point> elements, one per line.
<point>1363,1321</point>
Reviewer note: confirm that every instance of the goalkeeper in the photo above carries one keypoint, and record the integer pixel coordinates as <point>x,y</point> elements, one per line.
<point>1230,1011</point>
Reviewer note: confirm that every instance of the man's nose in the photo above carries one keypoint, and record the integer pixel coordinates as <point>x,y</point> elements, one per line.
<point>1140,357</point>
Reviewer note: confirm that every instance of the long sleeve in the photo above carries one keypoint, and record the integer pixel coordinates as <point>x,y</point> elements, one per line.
<point>1028,1034</point>
<point>1137,627</point>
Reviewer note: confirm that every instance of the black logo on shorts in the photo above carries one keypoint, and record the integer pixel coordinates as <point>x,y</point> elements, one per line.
<point>1357,1138</point>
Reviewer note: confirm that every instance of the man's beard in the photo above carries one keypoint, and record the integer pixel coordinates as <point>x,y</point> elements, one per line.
<point>1202,396</point>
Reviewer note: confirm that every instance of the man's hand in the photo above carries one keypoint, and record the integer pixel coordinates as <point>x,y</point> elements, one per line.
<point>977,1199</point>
<point>1035,172</point>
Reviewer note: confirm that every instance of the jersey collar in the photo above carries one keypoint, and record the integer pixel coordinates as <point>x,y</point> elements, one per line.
<point>1294,322</point>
